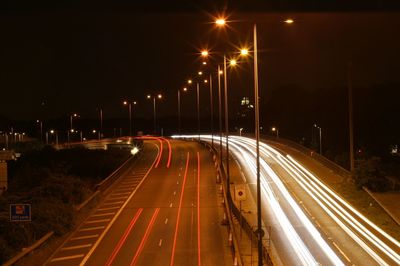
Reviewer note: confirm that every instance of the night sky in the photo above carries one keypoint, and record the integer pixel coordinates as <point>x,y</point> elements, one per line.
<point>60,59</point>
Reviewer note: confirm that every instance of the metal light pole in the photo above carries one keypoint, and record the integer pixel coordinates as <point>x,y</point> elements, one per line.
<point>226,129</point>
<point>220,113</point>
<point>198,109</point>
<point>101,123</point>
<point>351,124</point>
<point>257,133</point>
<point>159,96</point>
<point>179,112</point>
<point>320,138</point>
<point>212,112</point>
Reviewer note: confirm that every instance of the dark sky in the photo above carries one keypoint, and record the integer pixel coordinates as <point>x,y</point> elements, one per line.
<point>76,57</point>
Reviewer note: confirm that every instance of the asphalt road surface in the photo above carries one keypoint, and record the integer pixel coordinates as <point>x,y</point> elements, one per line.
<point>164,211</point>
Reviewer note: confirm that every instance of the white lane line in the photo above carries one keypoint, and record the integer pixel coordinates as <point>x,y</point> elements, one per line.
<point>102,214</point>
<point>170,205</point>
<point>123,189</point>
<point>118,198</point>
<point>113,203</point>
<point>166,220</point>
<point>97,221</point>
<point>67,258</point>
<point>160,242</point>
<point>119,194</point>
<point>92,228</point>
<point>177,182</point>
<point>107,209</point>
<point>84,237</point>
<point>344,255</point>
<point>77,247</point>
<point>174,192</point>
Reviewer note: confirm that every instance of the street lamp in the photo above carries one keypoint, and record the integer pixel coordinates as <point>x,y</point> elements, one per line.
<point>154,97</point>
<point>276,130</point>
<point>40,122</point>
<point>320,137</point>
<point>130,114</point>
<point>54,132</point>
<point>179,109</point>
<point>71,118</point>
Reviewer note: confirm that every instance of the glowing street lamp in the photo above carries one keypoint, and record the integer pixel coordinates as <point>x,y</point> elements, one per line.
<point>154,97</point>
<point>220,22</point>
<point>130,114</point>
<point>276,130</point>
<point>289,21</point>
<point>179,108</point>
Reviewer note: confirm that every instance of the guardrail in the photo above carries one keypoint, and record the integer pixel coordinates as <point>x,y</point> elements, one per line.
<point>231,207</point>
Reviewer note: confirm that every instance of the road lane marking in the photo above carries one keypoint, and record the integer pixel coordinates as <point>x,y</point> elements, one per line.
<point>96,221</point>
<point>198,211</point>
<point>118,194</point>
<point>179,210</point>
<point>124,237</point>
<point>84,237</point>
<point>107,209</point>
<point>86,258</point>
<point>160,242</point>
<point>170,205</point>
<point>177,182</point>
<point>113,203</point>
<point>166,220</point>
<point>102,214</point>
<point>118,198</point>
<point>174,192</point>
<point>145,237</point>
<point>76,247</point>
<point>344,255</point>
<point>67,258</point>
<point>91,228</point>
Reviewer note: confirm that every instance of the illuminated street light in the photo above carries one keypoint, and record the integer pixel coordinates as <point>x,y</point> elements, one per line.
<point>289,21</point>
<point>232,62</point>
<point>204,53</point>
<point>220,22</point>
<point>204,63</point>
<point>189,81</point>
<point>276,130</point>
<point>71,118</point>
<point>200,73</point>
<point>158,96</point>
<point>244,51</point>
<point>130,114</point>
<point>179,109</point>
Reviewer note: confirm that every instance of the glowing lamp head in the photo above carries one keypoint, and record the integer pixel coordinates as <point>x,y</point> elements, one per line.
<point>200,73</point>
<point>289,21</point>
<point>190,81</point>
<point>220,22</point>
<point>159,96</point>
<point>185,89</point>
<point>149,96</point>
<point>125,102</point>
<point>244,51</point>
<point>204,53</point>
<point>233,62</point>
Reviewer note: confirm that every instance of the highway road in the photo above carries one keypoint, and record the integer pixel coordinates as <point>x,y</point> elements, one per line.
<point>164,211</point>
<point>310,223</point>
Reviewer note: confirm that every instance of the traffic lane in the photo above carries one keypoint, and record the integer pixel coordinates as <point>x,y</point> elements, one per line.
<point>159,243</point>
<point>148,197</point>
<point>75,249</point>
<point>345,244</point>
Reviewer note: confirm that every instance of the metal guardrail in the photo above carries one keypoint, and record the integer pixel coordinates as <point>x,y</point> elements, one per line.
<point>235,211</point>
<point>316,156</point>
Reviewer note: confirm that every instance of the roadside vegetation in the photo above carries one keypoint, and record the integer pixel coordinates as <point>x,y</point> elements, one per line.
<point>53,182</point>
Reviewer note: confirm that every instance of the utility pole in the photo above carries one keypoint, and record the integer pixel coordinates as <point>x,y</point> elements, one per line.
<point>351,124</point>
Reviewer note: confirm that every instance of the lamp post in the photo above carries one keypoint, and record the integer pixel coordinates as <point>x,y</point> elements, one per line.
<point>130,114</point>
<point>276,130</point>
<point>179,109</point>
<point>101,123</point>
<point>320,138</point>
<point>158,96</point>
<point>40,122</point>
<point>71,118</point>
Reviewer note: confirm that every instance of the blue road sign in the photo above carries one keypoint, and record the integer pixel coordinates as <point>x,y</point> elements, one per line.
<point>20,212</point>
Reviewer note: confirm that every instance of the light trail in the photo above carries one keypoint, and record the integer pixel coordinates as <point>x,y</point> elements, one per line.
<point>352,222</point>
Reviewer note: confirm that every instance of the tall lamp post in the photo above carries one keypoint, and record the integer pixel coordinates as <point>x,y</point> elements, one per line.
<point>70,120</point>
<point>320,138</point>
<point>130,114</point>
<point>276,130</point>
<point>179,109</point>
<point>154,97</point>
<point>40,122</point>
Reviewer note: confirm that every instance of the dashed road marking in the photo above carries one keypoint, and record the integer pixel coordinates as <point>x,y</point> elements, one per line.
<point>344,255</point>
<point>160,242</point>
<point>84,237</point>
<point>67,258</point>
<point>97,221</point>
<point>92,228</point>
<point>166,220</point>
<point>77,247</point>
<point>107,209</point>
<point>102,214</point>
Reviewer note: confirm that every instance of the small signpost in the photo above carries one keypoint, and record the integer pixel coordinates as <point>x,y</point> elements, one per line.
<point>240,195</point>
<point>20,212</point>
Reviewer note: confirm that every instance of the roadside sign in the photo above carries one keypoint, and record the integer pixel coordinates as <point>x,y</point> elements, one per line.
<point>20,212</point>
<point>240,192</point>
